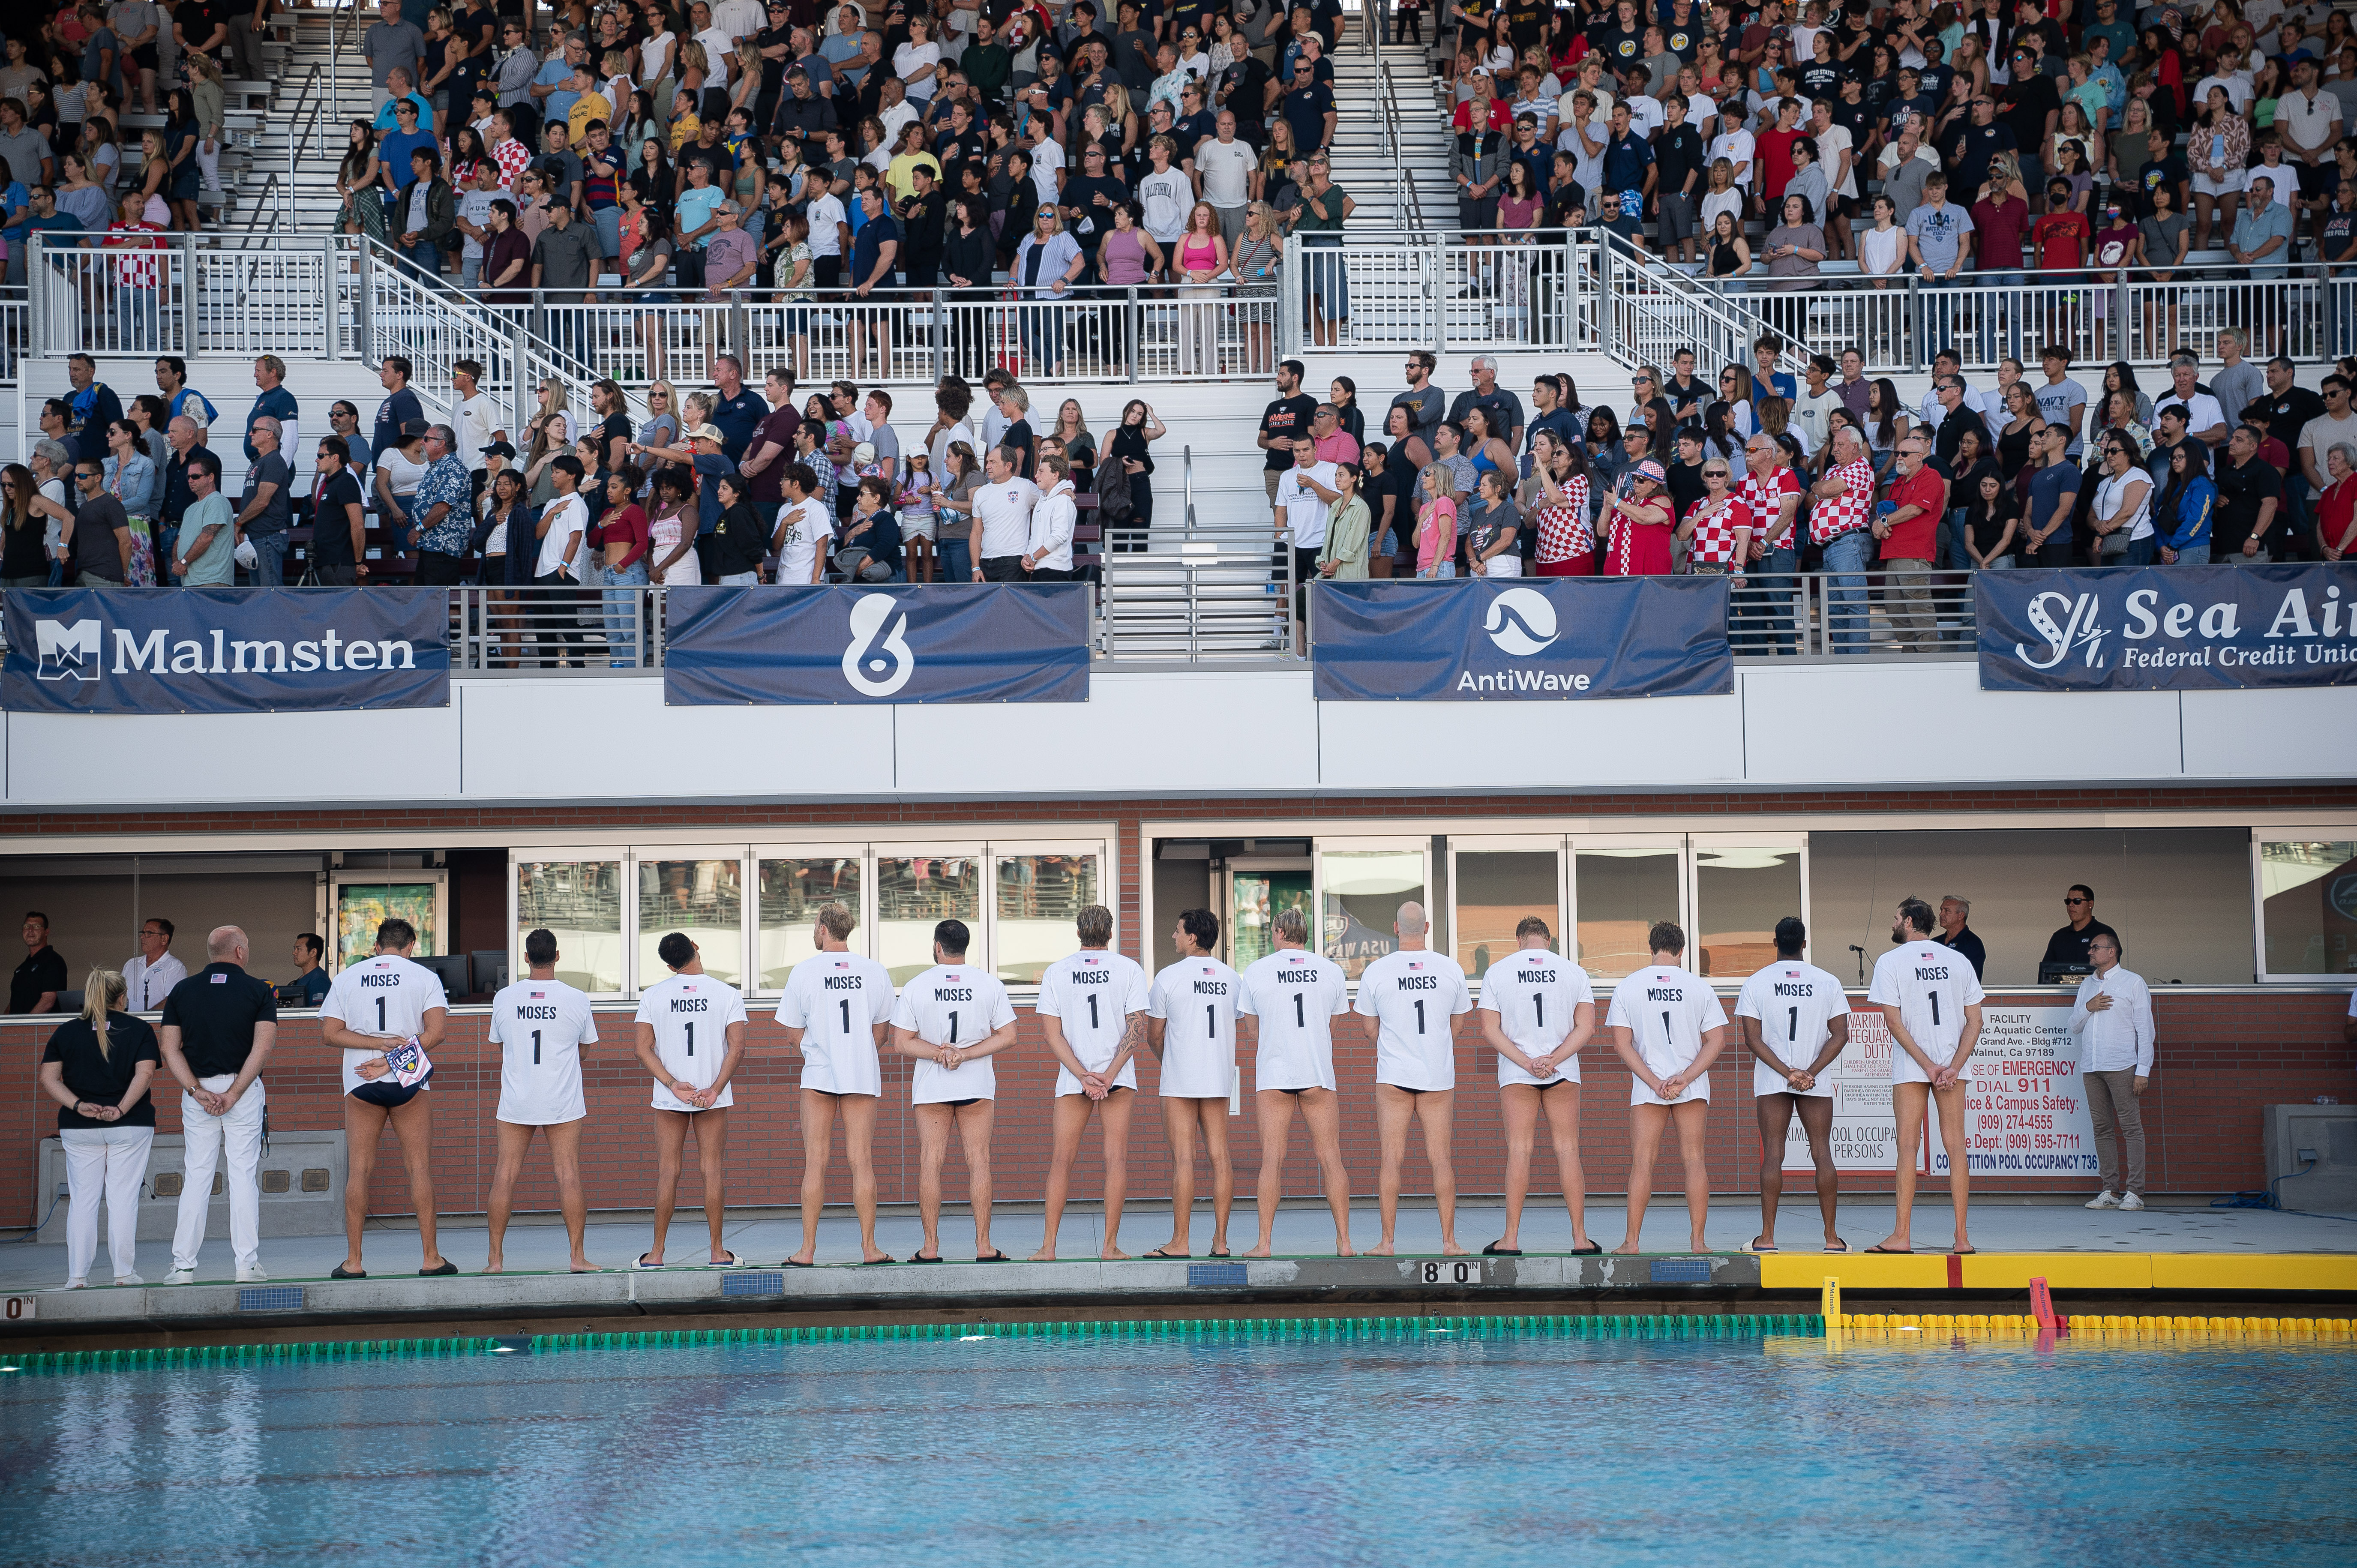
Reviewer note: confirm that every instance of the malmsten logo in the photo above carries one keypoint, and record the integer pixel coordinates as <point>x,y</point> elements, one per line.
<point>73,650</point>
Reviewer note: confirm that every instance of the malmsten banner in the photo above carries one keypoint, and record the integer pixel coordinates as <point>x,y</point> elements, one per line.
<point>975,643</point>
<point>2167,629</point>
<point>225,651</point>
<point>1520,639</point>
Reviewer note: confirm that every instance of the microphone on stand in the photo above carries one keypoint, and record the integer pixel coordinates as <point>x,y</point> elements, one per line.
<point>1861,961</point>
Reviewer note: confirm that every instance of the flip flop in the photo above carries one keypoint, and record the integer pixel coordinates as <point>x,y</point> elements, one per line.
<point>996,1258</point>
<point>734,1262</point>
<point>642,1263</point>
<point>920,1258</point>
<point>1159,1252</point>
<point>791,1263</point>
<point>1221,1252</point>
<point>1591,1250</point>
<point>1500,1249</point>
<point>1962,1252</point>
<point>342,1273</point>
<point>871,1263</point>
<point>1894,1252</point>
<point>448,1268</point>
<point>1758,1246</point>
<point>1838,1245</point>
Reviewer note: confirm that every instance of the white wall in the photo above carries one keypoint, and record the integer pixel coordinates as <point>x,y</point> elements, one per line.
<point>1193,732</point>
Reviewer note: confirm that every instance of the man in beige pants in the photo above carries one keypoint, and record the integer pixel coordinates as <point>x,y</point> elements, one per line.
<point>2113,1020</point>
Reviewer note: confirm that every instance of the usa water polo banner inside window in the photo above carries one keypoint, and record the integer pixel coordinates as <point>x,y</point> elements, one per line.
<point>2172,629</point>
<point>1521,639</point>
<point>969,644</point>
<point>225,651</point>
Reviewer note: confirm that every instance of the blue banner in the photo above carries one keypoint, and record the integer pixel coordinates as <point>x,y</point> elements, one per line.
<point>2167,629</point>
<point>1521,639</point>
<point>225,651</point>
<point>970,642</point>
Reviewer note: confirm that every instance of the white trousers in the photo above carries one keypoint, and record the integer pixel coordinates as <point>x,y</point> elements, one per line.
<point>205,1134</point>
<point>112,1160</point>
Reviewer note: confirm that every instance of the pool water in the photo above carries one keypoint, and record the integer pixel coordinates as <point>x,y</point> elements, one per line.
<point>1434,1449</point>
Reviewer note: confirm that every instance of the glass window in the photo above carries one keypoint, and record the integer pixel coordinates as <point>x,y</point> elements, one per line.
<point>1496,890</point>
<point>915,892</point>
<point>2307,895</point>
<point>1038,897</point>
<point>792,891</point>
<point>1741,892</point>
<point>1363,890</point>
<point>1256,897</point>
<point>581,901</point>
<point>705,898</point>
<point>1619,894</point>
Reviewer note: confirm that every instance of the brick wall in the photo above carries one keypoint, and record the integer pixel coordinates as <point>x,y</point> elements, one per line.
<point>2222,1057</point>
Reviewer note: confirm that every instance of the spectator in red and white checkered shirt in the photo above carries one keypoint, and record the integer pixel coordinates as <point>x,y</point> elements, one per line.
<point>135,241</point>
<point>1556,499</point>
<point>1717,528</point>
<point>1839,525</point>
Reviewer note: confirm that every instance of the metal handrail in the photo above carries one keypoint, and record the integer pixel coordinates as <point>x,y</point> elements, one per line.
<point>298,135</point>
<point>262,204</point>
<point>1186,487</point>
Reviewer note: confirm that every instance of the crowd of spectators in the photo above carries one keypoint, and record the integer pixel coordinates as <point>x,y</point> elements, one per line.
<point>1761,143</point>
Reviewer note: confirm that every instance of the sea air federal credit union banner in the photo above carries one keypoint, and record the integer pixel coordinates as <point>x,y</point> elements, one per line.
<point>225,651</point>
<point>973,642</point>
<point>1521,639</point>
<point>2167,629</point>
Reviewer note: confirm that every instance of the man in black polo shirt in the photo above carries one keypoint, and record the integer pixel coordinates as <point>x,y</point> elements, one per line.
<point>1954,932</point>
<point>2250,494</point>
<point>219,1026</point>
<point>2069,945</point>
<point>35,985</point>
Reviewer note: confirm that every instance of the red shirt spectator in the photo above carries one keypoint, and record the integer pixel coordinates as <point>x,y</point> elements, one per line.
<point>625,525</point>
<point>2060,241</point>
<point>1912,539</point>
<point>1997,228</point>
<point>1775,152</point>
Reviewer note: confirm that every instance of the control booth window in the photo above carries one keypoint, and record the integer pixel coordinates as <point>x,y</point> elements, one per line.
<point>580,901</point>
<point>790,891</point>
<point>1741,890</point>
<point>700,895</point>
<point>2307,901</point>
<point>1618,891</point>
<point>915,892</point>
<point>1037,895</point>
<point>1361,885</point>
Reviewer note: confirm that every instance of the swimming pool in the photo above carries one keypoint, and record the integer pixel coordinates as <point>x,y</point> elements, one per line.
<point>1242,1448</point>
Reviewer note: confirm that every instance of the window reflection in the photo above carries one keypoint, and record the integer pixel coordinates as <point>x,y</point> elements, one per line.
<point>1038,897</point>
<point>2307,891</point>
<point>1619,893</point>
<point>1496,890</point>
<point>1363,891</point>
<point>705,898</point>
<point>1741,892</point>
<point>792,891</point>
<point>913,893</point>
<point>581,901</point>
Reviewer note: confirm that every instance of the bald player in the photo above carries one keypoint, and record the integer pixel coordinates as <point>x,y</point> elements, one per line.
<point>1411,998</point>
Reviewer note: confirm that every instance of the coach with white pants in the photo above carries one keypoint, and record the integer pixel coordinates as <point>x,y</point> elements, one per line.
<point>219,1026</point>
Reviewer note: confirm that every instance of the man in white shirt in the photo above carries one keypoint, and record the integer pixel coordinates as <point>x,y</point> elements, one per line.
<point>1667,1028</point>
<point>1738,146</point>
<point>1411,998</point>
<point>835,1010</point>
<point>1294,996</point>
<point>805,528</point>
<point>474,411</point>
<point>568,519</point>
<point>1224,171</point>
<point>1047,554</point>
<point>2113,1019</point>
<point>1795,1021</point>
<point>377,1005</point>
<point>1932,1000</point>
<point>953,1018</point>
<point>1092,1008</point>
<point>1303,492</point>
<point>690,1032</point>
<point>1002,520</point>
<point>1537,1011</point>
<point>149,978</point>
<point>1190,1027</point>
<point>2206,418</point>
<point>540,1024</point>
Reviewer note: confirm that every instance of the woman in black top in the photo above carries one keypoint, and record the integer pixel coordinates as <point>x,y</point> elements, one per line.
<point>97,1068</point>
<point>1991,518</point>
<point>336,509</point>
<point>1128,442</point>
<point>740,541</point>
<point>1347,415</point>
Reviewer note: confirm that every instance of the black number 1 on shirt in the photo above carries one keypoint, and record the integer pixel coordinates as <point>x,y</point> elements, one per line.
<point>1419,1014</point>
<point>535,1047</point>
<point>1093,1011</point>
<point>691,1037</point>
<point>845,1004</point>
<point>1792,1025</point>
<point>1935,1009</point>
<point>1539,1002</point>
<point>1300,1020</point>
<point>380,1014</point>
<point>1210,1020</point>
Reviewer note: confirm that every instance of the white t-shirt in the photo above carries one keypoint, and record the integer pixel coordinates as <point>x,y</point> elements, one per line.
<point>2055,402</point>
<point>1046,163</point>
<point>805,530</point>
<point>1227,169</point>
<point>1305,511</point>
<point>1832,143</point>
<point>1414,994</point>
<point>1091,995</point>
<point>1666,1011</point>
<point>572,516</point>
<point>1197,1000</point>
<point>475,206</point>
<point>838,999</point>
<point>1796,1004</point>
<point>1004,511</point>
<point>953,1004</point>
<point>825,211</point>
<point>1931,986</point>
<point>478,416</point>
<point>386,994</point>
<point>541,1027</point>
<point>1536,995</point>
<point>1738,148</point>
<point>1295,995</point>
<point>691,1015</point>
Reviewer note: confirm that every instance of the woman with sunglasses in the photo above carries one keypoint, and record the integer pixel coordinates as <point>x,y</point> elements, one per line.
<point>1641,525</point>
<point>1717,528</point>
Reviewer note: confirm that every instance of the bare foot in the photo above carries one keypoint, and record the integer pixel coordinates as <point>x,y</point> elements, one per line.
<point>1628,1247</point>
<point>1451,1249</point>
<point>1697,1244</point>
<point>1044,1255</point>
<point>494,1266</point>
<point>871,1255</point>
<point>1259,1252</point>
<point>584,1266</point>
<point>1382,1248</point>
<point>1342,1247</point>
<point>1114,1254</point>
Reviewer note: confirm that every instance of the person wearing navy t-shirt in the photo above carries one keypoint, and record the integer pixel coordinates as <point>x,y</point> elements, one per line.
<point>275,401</point>
<point>738,410</point>
<point>400,406</point>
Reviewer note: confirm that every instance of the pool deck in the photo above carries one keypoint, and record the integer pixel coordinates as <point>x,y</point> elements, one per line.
<point>2105,1258</point>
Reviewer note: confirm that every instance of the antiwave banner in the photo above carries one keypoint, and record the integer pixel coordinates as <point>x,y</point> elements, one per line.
<point>973,642</point>
<point>1521,639</point>
<point>225,651</point>
<point>2167,629</point>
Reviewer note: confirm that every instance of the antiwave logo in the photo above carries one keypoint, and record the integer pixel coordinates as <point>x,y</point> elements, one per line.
<point>859,666</point>
<point>1521,623</point>
<point>69,650</point>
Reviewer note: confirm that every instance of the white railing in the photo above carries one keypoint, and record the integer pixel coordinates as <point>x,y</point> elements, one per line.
<point>1650,312</point>
<point>1445,292</point>
<point>181,293</point>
